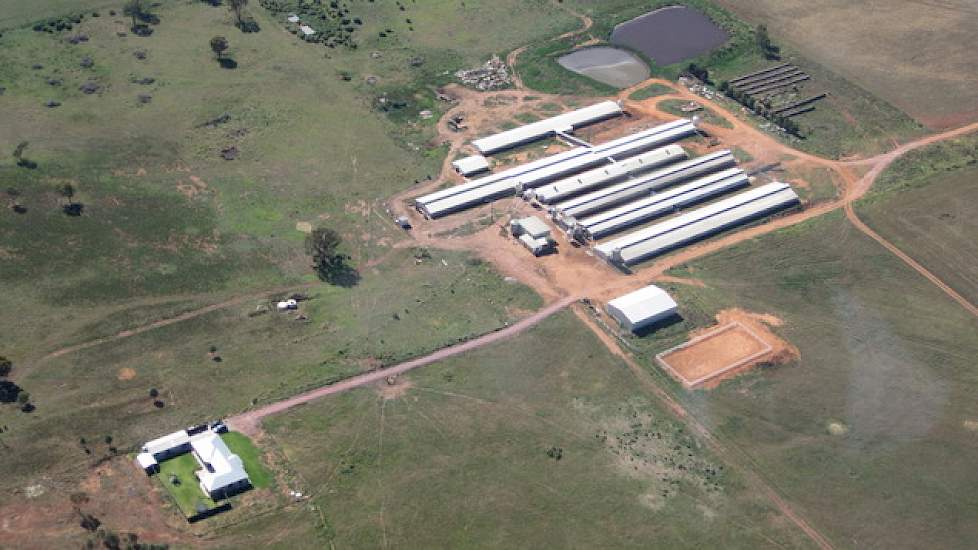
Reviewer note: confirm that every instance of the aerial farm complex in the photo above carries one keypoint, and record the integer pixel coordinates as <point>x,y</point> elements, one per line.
<point>629,199</point>
<point>427,274</point>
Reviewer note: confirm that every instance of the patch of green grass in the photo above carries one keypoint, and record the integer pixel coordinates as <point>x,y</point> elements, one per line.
<point>177,477</point>
<point>400,309</point>
<point>925,166</point>
<point>515,445</point>
<point>896,374</point>
<point>674,107</point>
<point>527,118</point>
<point>925,205</point>
<point>652,90</point>
<point>241,445</point>
<point>741,155</point>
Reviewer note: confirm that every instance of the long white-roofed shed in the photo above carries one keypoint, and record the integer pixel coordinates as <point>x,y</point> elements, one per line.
<point>566,122</point>
<point>642,308</point>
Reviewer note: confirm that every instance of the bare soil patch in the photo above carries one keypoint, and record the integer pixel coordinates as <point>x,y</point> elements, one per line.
<point>126,374</point>
<point>741,341</point>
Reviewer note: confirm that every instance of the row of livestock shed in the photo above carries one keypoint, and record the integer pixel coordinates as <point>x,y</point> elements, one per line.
<point>602,199</point>
<point>549,169</point>
<point>674,232</point>
<point>564,123</point>
<point>586,181</point>
<point>660,204</point>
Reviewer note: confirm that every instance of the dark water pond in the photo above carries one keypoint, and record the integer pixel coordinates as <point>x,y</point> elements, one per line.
<point>612,66</point>
<point>670,35</point>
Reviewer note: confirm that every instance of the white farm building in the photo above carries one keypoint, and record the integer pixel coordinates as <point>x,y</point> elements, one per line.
<point>221,473</point>
<point>471,165</point>
<point>642,308</point>
<point>566,123</point>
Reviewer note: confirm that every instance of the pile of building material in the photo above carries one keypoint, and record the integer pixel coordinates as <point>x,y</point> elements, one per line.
<point>533,233</point>
<point>548,127</point>
<point>567,211</point>
<point>657,239</point>
<point>492,75</point>
<point>642,308</point>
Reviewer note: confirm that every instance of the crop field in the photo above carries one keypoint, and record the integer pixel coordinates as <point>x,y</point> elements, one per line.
<point>878,413</point>
<point>517,446</point>
<point>881,47</point>
<point>925,205</point>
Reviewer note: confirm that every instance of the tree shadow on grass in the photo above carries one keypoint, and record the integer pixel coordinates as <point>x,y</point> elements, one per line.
<point>227,63</point>
<point>339,273</point>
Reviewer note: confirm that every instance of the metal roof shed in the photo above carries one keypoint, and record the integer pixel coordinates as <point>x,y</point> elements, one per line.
<point>642,308</point>
<point>547,127</point>
<point>471,165</point>
<point>532,226</point>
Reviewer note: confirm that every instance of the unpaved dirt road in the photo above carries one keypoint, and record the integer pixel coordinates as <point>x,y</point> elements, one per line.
<point>249,422</point>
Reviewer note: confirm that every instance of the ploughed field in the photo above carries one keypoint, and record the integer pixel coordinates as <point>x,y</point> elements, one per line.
<point>670,35</point>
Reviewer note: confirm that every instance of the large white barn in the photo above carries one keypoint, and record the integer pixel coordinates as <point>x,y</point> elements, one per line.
<point>642,308</point>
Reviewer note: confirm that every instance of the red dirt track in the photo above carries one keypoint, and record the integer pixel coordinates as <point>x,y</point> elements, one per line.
<point>248,422</point>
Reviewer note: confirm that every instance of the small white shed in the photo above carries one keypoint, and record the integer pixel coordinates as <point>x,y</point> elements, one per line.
<point>530,225</point>
<point>537,247</point>
<point>307,30</point>
<point>471,165</point>
<point>293,18</point>
<point>642,308</point>
<point>147,463</point>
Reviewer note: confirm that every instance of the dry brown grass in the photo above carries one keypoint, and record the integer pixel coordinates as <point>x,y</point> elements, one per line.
<point>916,55</point>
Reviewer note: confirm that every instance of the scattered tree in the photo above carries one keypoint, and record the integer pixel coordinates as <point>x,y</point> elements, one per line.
<point>19,156</point>
<point>237,8</point>
<point>8,391</point>
<point>323,246</point>
<point>699,72</point>
<point>6,365</point>
<point>90,522</point>
<point>68,191</point>
<point>219,45</point>
<point>764,44</point>
<point>23,398</point>
<point>154,393</point>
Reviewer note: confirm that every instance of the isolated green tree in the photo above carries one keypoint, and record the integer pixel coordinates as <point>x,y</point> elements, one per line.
<point>764,43</point>
<point>322,245</point>
<point>6,365</point>
<point>68,191</point>
<point>138,10</point>
<point>23,398</point>
<point>219,45</point>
